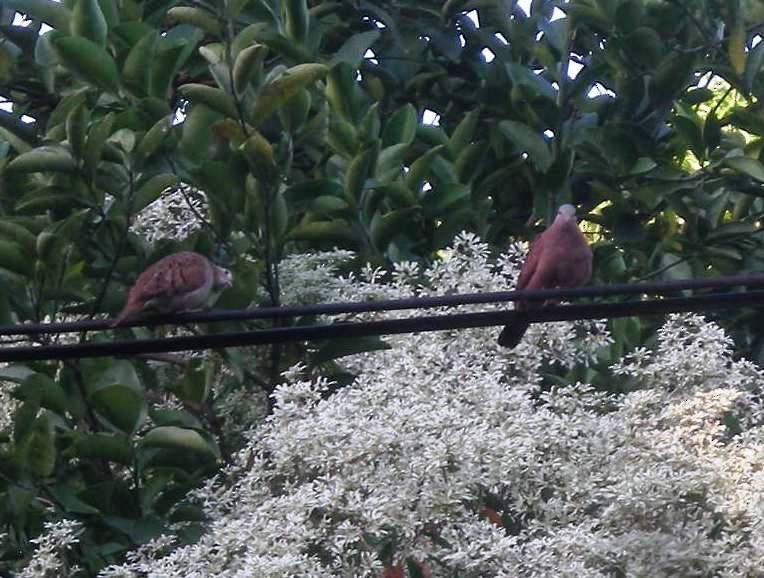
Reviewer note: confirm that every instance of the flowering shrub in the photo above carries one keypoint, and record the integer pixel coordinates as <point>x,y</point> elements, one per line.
<point>175,215</point>
<point>449,456</point>
<point>49,560</point>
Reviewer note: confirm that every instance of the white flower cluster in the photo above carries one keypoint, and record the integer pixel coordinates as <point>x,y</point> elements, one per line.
<point>174,215</point>
<point>48,560</point>
<point>311,278</point>
<point>458,455</point>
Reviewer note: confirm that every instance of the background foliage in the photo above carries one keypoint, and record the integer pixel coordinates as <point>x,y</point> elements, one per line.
<point>303,125</point>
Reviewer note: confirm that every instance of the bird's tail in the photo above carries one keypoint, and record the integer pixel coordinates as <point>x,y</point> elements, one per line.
<point>511,335</point>
<point>127,313</point>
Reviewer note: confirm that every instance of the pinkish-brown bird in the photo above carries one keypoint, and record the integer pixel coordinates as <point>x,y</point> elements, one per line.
<point>179,282</point>
<point>559,257</point>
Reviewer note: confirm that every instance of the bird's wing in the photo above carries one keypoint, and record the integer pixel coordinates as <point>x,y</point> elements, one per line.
<point>174,275</point>
<point>532,261</point>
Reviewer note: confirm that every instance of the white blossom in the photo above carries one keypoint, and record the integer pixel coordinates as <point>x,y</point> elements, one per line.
<point>175,215</point>
<point>662,480</point>
<point>48,559</point>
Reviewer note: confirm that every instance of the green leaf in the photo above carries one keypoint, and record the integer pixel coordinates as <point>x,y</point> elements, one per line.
<point>196,137</point>
<point>328,205</point>
<point>469,161</point>
<point>76,127</point>
<point>642,166</point>
<point>248,62</point>
<point>138,64</point>
<point>341,91</point>
<point>19,234</point>
<point>353,50</point>
<point>174,417</point>
<point>337,348</point>
<point>193,388</point>
<point>343,137</point>
<point>89,61</point>
<point>296,19</point>
<point>151,190</point>
<point>53,158</point>
<point>308,190</point>
<point>38,449</point>
<point>391,158</point>
<point>712,132</point>
<point>15,373</point>
<point>265,33</point>
<point>66,495</point>
<point>295,112</point>
<point>117,397</point>
<point>671,76</point>
<point>40,386</point>
<point>692,133</point>
<point>754,64</point>
<point>89,22</point>
<point>97,136</point>
<point>748,166</point>
<point>421,167</point>
<point>675,267</point>
<point>526,140</point>
<point>154,138</point>
<point>196,17</point>
<point>728,230</point>
<point>335,230</point>
<point>167,62</point>
<point>177,438</point>
<point>214,98</point>
<point>533,85</point>
<point>463,133</point>
<point>50,198</point>
<point>102,446</point>
<point>401,127</point>
<point>431,135</point>
<point>697,96</point>
<point>110,12</point>
<point>260,154</point>
<point>52,13</point>
<point>442,198</point>
<point>385,227</point>
<point>368,130</point>
<point>13,259</point>
<point>360,169</point>
<point>278,92</point>
<point>628,15</point>
<point>397,193</point>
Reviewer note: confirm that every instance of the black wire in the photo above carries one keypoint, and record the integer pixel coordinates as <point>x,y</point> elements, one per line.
<point>749,280</point>
<point>382,327</point>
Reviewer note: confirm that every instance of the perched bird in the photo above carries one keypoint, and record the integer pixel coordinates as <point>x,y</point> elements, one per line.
<point>559,257</point>
<point>179,282</point>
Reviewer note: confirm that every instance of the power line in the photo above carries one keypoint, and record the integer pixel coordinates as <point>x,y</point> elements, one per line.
<point>382,327</point>
<point>655,288</point>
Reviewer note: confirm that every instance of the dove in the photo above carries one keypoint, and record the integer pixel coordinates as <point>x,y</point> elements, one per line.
<point>179,282</point>
<point>559,257</point>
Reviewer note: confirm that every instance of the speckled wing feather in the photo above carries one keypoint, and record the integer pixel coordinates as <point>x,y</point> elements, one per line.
<point>531,261</point>
<point>177,282</point>
<point>173,275</point>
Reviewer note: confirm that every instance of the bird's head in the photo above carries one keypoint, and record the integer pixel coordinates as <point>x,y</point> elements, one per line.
<point>566,212</point>
<point>223,277</point>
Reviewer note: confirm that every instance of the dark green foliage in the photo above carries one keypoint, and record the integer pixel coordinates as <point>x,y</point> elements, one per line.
<point>301,142</point>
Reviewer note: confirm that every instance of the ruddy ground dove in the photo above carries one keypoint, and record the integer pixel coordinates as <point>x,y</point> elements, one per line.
<point>559,257</point>
<point>179,282</point>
